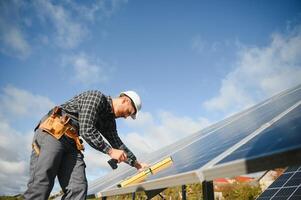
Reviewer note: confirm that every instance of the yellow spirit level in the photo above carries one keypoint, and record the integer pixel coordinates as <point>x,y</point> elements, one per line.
<point>141,176</point>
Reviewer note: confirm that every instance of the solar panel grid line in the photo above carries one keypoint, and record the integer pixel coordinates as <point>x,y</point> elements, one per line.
<point>297,186</point>
<point>293,193</point>
<point>214,128</point>
<point>248,138</point>
<point>285,102</point>
<point>284,192</point>
<point>183,178</point>
<point>212,131</point>
<point>294,180</point>
<point>284,134</point>
<point>203,136</point>
<point>291,169</point>
<point>280,189</point>
<point>247,130</point>
<point>238,117</point>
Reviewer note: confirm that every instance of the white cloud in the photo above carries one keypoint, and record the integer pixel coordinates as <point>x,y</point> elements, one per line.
<point>152,135</point>
<point>66,23</point>
<point>70,19</point>
<point>12,38</point>
<point>21,103</point>
<point>68,32</point>
<point>15,145</point>
<point>87,70</point>
<point>14,42</point>
<point>98,9</point>
<point>96,163</point>
<point>14,164</point>
<point>12,168</point>
<point>260,72</point>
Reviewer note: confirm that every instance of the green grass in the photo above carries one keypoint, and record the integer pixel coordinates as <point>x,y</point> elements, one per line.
<point>236,191</point>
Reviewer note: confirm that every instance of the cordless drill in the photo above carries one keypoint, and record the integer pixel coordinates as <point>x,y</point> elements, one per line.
<point>131,159</point>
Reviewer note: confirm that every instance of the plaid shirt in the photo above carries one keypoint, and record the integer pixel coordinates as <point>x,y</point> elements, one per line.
<point>94,113</point>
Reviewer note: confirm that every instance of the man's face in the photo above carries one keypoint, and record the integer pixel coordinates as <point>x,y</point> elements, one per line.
<point>126,108</point>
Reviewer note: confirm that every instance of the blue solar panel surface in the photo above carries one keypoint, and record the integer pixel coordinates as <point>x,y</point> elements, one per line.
<point>195,151</point>
<point>283,135</point>
<point>124,171</point>
<point>285,187</point>
<point>203,150</point>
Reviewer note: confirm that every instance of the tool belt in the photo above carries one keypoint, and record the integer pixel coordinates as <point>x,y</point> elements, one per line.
<point>58,125</point>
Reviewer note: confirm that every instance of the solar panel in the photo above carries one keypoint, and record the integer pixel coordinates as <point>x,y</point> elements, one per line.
<point>287,186</point>
<point>210,146</point>
<point>124,171</point>
<point>277,144</point>
<point>284,134</point>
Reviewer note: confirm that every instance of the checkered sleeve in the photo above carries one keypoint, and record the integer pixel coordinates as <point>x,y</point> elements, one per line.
<point>88,113</point>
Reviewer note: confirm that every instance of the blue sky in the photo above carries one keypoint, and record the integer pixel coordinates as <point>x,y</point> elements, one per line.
<point>192,62</point>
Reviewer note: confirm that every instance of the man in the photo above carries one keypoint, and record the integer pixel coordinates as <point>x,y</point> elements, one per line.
<point>57,147</point>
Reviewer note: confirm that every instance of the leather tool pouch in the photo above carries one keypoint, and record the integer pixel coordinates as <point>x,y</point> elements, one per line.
<point>55,124</point>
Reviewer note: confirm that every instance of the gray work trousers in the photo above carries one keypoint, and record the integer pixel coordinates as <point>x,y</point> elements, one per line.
<point>57,158</point>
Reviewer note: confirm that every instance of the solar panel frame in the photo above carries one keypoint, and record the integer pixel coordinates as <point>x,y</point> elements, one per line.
<point>186,178</point>
<point>123,169</point>
<point>211,170</point>
<point>280,135</point>
<point>245,166</point>
<point>179,145</point>
<point>279,188</point>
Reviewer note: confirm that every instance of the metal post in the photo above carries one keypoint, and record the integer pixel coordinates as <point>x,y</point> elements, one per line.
<point>152,193</point>
<point>133,195</point>
<point>161,196</point>
<point>183,192</point>
<point>208,191</point>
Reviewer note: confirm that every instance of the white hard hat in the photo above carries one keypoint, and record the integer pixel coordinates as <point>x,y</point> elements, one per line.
<point>135,99</point>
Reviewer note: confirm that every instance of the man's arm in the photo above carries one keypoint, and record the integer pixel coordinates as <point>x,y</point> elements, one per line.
<point>92,103</point>
<point>115,141</point>
<point>131,158</point>
<point>87,116</point>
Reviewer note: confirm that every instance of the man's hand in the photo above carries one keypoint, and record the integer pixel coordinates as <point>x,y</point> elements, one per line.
<point>141,166</point>
<point>117,154</point>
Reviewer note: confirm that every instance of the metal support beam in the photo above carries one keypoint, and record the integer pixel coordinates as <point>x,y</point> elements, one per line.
<point>161,196</point>
<point>208,190</point>
<point>183,192</point>
<point>151,193</point>
<point>133,195</point>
